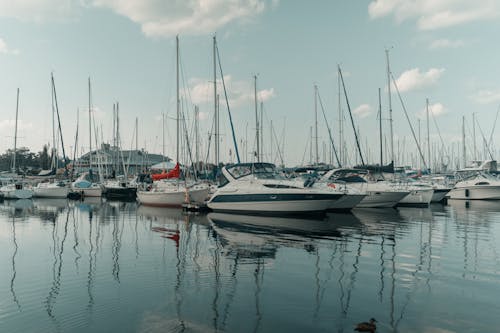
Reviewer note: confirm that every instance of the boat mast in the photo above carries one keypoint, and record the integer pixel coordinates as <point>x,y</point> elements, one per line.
<point>316,124</point>
<point>428,133</point>
<point>196,130</point>
<point>177,98</point>
<point>257,136</point>
<point>90,129</point>
<point>390,104</point>
<point>341,129</point>
<point>262,130</point>
<point>474,134</point>
<point>380,126</point>
<point>463,142</point>
<point>15,133</point>
<point>216,102</point>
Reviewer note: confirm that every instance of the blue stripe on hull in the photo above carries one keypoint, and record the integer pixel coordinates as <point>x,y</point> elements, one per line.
<point>273,197</point>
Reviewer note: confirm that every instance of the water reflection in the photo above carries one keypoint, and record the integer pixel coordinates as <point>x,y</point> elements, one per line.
<point>171,271</point>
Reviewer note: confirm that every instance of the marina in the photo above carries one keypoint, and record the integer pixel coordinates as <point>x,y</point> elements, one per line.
<point>79,266</point>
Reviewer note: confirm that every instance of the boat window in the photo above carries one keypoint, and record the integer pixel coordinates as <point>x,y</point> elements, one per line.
<point>482,183</point>
<point>223,180</point>
<point>261,170</point>
<point>239,171</point>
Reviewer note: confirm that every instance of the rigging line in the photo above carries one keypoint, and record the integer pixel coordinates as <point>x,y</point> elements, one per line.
<point>329,130</point>
<point>439,132</point>
<point>59,121</point>
<point>484,140</point>
<point>277,144</point>
<point>350,114</point>
<point>227,104</point>
<point>409,122</point>
<point>494,126</point>
<point>305,149</point>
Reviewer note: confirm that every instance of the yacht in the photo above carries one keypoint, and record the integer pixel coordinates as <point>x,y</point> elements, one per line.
<point>376,194</point>
<point>15,190</point>
<point>257,188</point>
<point>420,194</point>
<point>482,186</point>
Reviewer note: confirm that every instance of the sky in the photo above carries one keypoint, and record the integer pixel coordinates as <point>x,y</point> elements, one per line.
<point>441,50</point>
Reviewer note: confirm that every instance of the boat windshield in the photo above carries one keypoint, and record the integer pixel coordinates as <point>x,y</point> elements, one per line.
<point>260,170</point>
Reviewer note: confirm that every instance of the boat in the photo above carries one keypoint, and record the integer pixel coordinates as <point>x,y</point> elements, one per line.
<point>51,190</point>
<point>120,190</point>
<point>420,194</point>
<point>173,192</point>
<point>376,194</point>
<point>16,190</point>
<point>86,186</point>
<point>482,186</point>
<point>256,188</point>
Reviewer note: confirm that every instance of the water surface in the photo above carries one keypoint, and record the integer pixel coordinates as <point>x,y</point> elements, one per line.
<point>98,266</point>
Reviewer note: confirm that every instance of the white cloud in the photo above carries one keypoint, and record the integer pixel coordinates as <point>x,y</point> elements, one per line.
<point>486,96</point>
<point>38,10</point>
<point>446,43</point>
<point>413,79</point>
<point>436,110</point>
<point>169,17</point>
<point>435,14</point>
<point>239,92</point>
<point>363,111</point>
<point>9,125</point>
<point>6,49</point>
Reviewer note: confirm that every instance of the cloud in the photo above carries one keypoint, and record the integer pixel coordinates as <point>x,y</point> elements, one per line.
<point>239,92</point>
<point>413,79</point>
<point>38,10</point>
<point>486,96</point>
<point>6,49</point>
<point>446,43</point>
<point>169,17</point>
<point>363,111</point>
<point>436,110</point>
<point>435,14</point>
<point>9,125</point>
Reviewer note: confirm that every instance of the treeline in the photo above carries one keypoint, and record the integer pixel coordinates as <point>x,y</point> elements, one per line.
<point>26,160</point>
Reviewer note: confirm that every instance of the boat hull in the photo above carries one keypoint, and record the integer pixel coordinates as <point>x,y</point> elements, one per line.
<point>51,192</point>
<point>382,199</point>
<point>121,193</point>
<point>171,198</point>
<point>18,194</point>
<point>347,202</point>
<point>418,198</point>
<point>475,193</point>
<point>272,202</point>
<point>439,195</point>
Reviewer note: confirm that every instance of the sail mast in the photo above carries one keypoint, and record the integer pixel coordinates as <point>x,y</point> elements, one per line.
<point>390,104</point>
<point>316,125</point>
<point>177,98</point>
<point>15,133</point>
<point>90,129</point>
<point>216,108</point>
<point>257,136</point>
<point>428,133</point>
<point>380,126</point>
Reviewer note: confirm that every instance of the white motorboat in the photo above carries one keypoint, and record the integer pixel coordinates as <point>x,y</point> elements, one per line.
<point>420,195</point>
<point>482,186</point>
<point>51,190</point>
<point>377,194</point>
<point>172,194</point>
<point>256,188</point>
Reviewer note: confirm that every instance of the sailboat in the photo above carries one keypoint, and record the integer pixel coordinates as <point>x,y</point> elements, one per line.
<point>57,189</point>
<point>120,188</point>
<point>11,188</point>
<point>173,193</point>
<point>86,184</point>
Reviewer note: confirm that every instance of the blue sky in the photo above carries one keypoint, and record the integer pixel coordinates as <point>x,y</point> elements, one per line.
<point>442,50</point>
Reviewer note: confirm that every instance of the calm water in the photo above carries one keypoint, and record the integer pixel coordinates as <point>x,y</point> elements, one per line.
<point>115,267</point>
